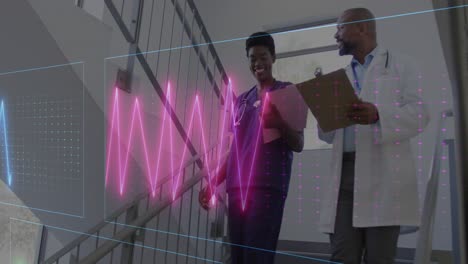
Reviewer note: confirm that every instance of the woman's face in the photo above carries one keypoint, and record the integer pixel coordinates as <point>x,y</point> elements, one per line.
<point>261,63</point>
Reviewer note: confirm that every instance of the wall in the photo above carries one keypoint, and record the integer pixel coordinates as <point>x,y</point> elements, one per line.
<point>52,86</point>
<point>95,8</point>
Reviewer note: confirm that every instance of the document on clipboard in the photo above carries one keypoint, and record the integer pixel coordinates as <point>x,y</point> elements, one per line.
<point>329,97</point>
<point>292,109</point>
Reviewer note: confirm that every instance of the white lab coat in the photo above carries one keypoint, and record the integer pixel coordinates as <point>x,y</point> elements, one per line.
<point>385,189</point>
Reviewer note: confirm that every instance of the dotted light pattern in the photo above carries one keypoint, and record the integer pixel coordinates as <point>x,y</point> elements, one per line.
<point>44,153</point>
<point>420,158</point>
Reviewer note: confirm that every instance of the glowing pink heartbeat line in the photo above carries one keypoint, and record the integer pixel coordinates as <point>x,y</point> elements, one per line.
<point>229,102</point>
<point>260,127</point>
<point>244,190</point>
<point>196,109</point>
<point>239,177</point>
<point>136,113</point>
<point>152,176</point>
<point>136,117</point>
<point>171,144</point>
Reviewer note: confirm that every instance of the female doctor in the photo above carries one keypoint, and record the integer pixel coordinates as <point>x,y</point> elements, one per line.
<point>372,189</point>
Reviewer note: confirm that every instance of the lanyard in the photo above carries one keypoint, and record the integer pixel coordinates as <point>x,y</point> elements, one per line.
<point>239,112</point>
<point>358,86</point>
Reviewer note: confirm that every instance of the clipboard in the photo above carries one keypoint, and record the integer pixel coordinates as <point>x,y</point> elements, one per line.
<point>292,108</point>
<point>329,97</point>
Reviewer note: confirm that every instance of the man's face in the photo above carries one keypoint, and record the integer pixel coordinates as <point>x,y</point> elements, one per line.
<point>261,62</point>
<point>347,35</point>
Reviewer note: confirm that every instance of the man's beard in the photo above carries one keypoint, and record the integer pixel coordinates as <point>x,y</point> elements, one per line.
<point>345,49</point>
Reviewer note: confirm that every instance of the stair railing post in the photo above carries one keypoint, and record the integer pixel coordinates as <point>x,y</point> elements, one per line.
<point>129,245</point>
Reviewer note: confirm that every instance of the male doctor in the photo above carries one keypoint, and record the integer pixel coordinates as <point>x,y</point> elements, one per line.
<point>372,190</point>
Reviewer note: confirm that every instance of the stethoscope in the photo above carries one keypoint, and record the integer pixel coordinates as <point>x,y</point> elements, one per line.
<point>241,109</point>
<point>384,71</point>
<point>386,63</point>
<point>240,114</point>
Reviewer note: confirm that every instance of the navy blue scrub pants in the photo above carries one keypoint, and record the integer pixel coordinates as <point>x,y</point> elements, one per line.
<point>254,231</point>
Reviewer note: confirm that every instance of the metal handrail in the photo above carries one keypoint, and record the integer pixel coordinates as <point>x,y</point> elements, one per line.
<point>145,66</point>
<point>154,82</point>
<point>424,243</point>
<point>208,42</point>
<point>201,25</point>
<point>73,244</point>
<point>140,222</point>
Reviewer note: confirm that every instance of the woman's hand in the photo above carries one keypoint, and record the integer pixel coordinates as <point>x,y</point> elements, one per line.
<point>204,197</point>
<point>272,117</point>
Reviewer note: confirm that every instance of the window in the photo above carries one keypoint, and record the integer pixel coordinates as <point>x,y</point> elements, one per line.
<point>299,53</point>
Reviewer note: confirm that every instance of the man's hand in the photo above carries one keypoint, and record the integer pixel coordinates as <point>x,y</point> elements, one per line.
<point>204,198</point>
<point>272,118</point>
<point>363,113</point>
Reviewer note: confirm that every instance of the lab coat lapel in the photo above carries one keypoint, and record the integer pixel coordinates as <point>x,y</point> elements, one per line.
<point>376,68</point>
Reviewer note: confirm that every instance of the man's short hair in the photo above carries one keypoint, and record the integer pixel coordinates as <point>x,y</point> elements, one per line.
<point>260,39</point>
<point>364,15</point>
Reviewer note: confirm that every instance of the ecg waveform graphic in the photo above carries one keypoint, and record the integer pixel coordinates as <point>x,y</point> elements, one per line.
<point>4,130</point>
<point>137,133</point>
<point>118,154</point>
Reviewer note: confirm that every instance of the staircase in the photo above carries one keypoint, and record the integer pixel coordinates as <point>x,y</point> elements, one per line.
<point>141,231</point>
<point>162,229</point>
